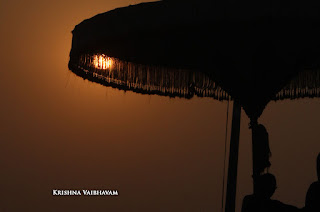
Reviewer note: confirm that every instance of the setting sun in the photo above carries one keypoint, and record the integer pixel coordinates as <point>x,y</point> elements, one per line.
<point>102,62</point>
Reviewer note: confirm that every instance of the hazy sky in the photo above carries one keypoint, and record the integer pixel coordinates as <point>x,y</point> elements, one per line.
<point>59,131</point>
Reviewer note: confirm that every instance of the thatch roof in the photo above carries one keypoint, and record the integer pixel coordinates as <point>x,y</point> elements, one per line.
<point>250,49</point>
<point>178,82</point>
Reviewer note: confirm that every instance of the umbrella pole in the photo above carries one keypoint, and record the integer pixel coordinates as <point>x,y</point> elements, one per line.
<point>233,158</point>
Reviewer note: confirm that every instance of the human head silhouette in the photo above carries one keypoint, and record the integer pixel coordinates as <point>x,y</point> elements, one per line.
<point>265,185</point>
<point>318,166</point>
<point>260,132</point>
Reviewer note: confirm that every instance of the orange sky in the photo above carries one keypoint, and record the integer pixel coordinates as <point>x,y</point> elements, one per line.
<point>59,131</point>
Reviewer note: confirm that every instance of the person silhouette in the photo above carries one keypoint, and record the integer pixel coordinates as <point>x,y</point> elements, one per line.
<point>260,201</point>
<point>313,195</point>
<point>260,149</point>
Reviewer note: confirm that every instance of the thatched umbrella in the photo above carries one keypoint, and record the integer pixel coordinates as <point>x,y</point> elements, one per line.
<point>255,51</point>
<point>247,50</point>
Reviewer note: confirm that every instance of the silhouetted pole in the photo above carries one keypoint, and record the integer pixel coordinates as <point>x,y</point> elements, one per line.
<point>233,158</point>
<point>255,171</point>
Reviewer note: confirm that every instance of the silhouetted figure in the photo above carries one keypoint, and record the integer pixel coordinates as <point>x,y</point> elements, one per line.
<point>260,149</point>
<point>265,186</point>
<point>313,194</point>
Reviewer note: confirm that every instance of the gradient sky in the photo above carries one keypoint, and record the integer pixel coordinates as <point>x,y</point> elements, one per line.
<point>59,131</point>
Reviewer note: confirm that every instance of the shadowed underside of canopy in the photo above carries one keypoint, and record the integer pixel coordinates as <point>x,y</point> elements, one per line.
<point>305,84</point>
<point>146,79</point>
<point>174,82</point>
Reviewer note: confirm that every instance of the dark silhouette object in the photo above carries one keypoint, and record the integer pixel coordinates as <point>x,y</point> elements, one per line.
<point>260,200</point>
<point>251,50</point>
<point>260,149</point>
<point>313,194</point>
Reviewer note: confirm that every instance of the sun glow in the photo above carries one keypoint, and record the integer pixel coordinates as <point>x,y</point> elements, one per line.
<point>102,62</point>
